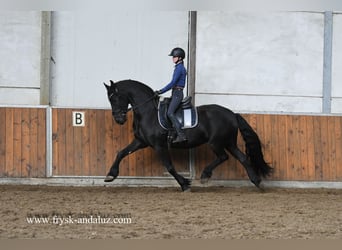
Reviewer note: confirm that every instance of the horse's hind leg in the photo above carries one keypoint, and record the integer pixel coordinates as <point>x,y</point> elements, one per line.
<point>164,155</point>
<point>242,158</point>
<point>221,157</point>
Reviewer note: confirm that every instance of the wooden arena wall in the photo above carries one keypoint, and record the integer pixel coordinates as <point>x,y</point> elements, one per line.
<point>299,147</point>
<point>91,150</point>
<point>22,142</point>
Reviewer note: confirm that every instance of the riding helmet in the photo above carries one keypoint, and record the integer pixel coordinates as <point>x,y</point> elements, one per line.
<point>178,52</point>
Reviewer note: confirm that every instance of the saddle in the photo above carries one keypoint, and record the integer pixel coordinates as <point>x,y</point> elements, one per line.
<point>186,114</point>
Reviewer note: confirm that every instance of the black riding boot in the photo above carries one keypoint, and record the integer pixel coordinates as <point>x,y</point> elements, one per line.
<point>180,133</point>
<point>177,96</point>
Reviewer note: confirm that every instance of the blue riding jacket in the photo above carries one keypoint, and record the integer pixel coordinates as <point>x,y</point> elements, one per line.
<point>178,78</point>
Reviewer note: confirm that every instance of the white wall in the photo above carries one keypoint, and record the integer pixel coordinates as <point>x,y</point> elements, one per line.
<point>253,62</point>
<point>20,45</point>
<point>267,62</point>
<point>336,103</point>
<point>92,47</point>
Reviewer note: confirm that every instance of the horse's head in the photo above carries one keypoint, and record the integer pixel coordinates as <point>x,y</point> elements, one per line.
<point>118,101</point>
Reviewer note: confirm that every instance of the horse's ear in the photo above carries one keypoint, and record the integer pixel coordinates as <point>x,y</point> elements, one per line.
<point>107,87</point>
<point>113,84</point>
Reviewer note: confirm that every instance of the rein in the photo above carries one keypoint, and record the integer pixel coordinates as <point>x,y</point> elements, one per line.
<point>135,107</point>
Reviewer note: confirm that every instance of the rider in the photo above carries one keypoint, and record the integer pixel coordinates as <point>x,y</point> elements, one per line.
<point>177,85</point>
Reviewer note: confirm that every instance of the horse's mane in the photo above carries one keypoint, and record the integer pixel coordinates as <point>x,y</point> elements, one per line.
<point>132,84</point>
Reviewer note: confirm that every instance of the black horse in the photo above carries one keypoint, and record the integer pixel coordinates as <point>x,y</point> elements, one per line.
<point>217,126</point>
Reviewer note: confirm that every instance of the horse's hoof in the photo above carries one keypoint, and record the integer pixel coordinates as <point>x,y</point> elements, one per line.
<point>256,182</point>
<point>109,178</point>
<point>186,185</point>
<point>261,187</point>
<point>186,189</point>
<point>204,180</point>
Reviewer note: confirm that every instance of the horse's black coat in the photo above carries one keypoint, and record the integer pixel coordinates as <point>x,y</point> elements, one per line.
<point>217,126</point>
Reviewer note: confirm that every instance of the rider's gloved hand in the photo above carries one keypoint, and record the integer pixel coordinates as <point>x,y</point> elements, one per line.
<point>157,92</point>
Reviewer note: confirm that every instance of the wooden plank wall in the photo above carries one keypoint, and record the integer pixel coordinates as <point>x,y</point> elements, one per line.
<point>91,150</point>
<point>307,148</point>
<point>22,142</point>
<point>301,148</point>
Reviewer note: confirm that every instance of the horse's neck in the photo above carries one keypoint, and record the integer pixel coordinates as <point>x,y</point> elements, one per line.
<point>143,105</point>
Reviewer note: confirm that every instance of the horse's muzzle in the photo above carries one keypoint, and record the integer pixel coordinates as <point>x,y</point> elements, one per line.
<point>120,118</point>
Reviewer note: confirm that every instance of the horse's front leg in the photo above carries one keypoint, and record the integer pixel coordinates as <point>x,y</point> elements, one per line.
<point>114,170</point>
<point>164,155</point>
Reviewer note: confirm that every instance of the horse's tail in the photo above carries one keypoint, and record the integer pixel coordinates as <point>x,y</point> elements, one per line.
<point>253,147</point>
